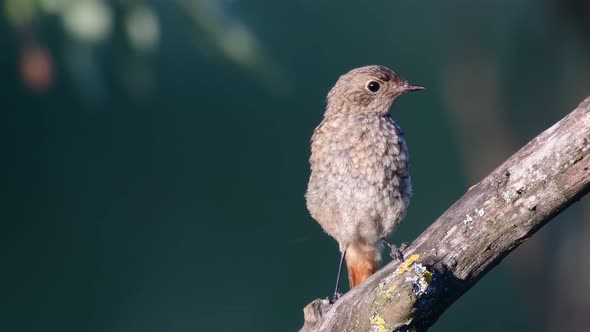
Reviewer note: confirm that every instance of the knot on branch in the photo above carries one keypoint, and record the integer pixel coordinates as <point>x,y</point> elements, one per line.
<point>313,314</point>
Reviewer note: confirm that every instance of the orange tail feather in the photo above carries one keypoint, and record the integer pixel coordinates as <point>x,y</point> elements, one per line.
<point>362,261</point>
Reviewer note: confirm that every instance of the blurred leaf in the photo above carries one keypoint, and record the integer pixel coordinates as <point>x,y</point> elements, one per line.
<point>20,12</point>
<point>54,6</point>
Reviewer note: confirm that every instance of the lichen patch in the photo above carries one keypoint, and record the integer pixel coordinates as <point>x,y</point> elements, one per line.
<point>480,212</point>
<point>420,280</point>
<point>468,221</point>
<point>378,324</point>
<point>407,264</point>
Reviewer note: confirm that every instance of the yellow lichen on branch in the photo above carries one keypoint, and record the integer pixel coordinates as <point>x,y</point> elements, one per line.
<point>406,266</point>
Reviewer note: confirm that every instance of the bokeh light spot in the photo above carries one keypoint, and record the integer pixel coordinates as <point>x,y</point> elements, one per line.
<point>143,28</point>
<point>36,67</point>
<point>88,20</point>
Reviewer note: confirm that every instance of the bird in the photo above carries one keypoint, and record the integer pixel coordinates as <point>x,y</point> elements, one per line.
<point>359,188</point>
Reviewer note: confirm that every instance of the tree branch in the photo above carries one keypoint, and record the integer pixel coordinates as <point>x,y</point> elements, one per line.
<point>493,218</point>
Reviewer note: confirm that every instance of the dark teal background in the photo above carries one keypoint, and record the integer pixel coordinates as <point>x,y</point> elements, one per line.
<point>180,207</point>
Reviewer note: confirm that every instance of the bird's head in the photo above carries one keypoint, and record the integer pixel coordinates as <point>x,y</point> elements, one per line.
<point>367,90</point>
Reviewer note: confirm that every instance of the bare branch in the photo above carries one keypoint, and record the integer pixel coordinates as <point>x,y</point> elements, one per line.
<point>538,182</point>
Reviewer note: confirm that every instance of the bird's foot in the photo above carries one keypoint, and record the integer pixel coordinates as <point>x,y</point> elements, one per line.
<point>335,297</point>
<point>395,252</point>
<point>403,246</point>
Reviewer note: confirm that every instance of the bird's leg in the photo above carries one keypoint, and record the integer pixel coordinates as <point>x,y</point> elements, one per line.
<point>395,252</point>
<point>337,290</point>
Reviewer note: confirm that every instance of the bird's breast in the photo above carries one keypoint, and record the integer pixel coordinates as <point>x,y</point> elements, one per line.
<point>362,148</point>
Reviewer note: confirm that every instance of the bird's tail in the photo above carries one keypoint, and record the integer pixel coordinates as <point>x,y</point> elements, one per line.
<point>362,260</point>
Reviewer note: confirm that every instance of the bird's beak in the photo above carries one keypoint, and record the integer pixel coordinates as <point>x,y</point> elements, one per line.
<point>407,87</point>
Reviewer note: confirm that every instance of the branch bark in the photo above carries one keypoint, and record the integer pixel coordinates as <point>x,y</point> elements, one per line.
<point>546,176</point>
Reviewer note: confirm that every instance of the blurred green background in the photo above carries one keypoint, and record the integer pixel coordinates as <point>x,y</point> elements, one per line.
<point>155,154</point>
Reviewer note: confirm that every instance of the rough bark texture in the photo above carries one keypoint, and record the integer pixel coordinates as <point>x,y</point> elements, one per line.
<point>538,182</point>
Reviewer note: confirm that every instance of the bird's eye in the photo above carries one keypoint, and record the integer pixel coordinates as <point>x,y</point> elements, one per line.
<point>373,86</point>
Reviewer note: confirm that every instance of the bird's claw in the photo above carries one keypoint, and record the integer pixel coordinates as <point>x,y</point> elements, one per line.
<point>403,246</point>
<point>335,297</point>
<point>395,252</point>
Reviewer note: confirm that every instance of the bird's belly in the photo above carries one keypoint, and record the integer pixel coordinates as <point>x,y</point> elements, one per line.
<point>356,209</point>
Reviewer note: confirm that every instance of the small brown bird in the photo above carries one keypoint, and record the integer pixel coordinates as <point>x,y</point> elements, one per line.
<point>359,188</point>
